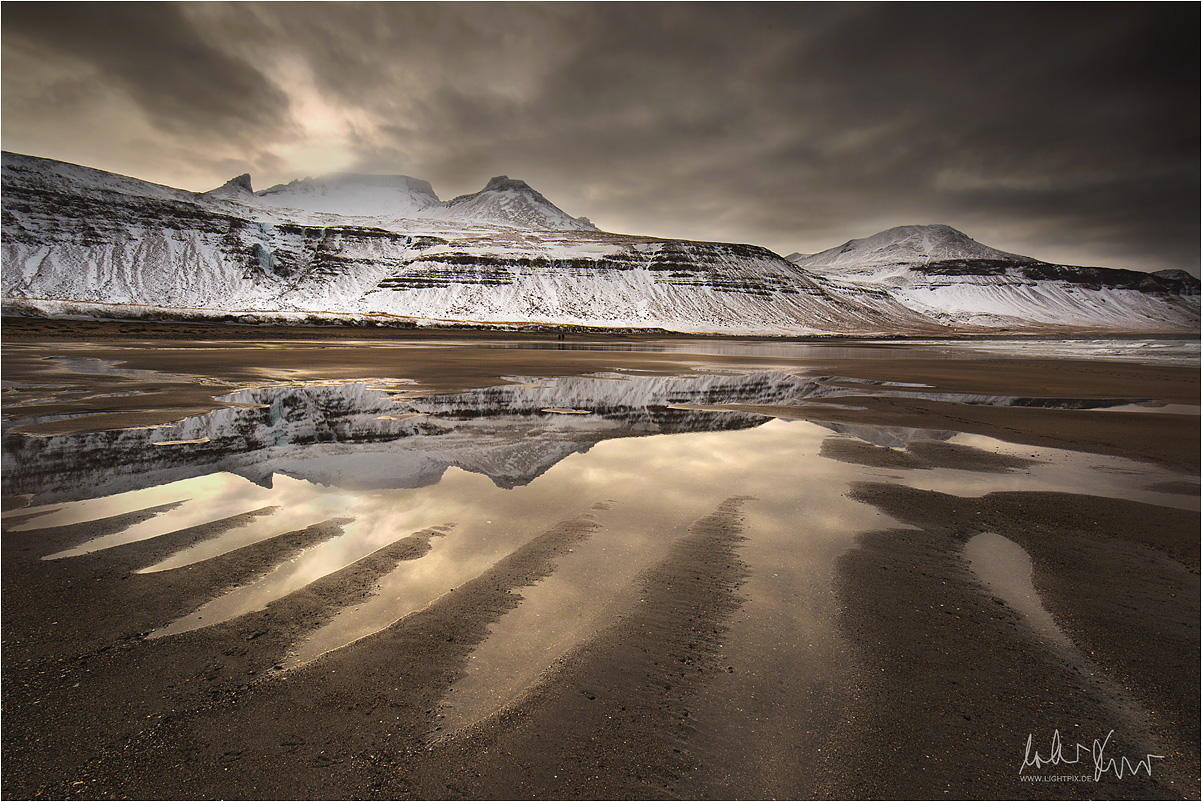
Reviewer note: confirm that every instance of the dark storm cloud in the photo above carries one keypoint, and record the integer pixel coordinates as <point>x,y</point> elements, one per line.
<point>1065,132</point>
<point>184,84</point>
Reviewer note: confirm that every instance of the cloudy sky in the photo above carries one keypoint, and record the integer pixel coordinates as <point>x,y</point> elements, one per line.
<point>1066,133</point>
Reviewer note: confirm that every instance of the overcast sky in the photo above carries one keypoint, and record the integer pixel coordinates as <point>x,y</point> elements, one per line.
<point>1066,133</point>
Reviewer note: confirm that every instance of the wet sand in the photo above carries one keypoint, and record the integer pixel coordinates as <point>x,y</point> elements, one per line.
<point>949,674</point>
<point>1169,440</point>
<point>942,682</point>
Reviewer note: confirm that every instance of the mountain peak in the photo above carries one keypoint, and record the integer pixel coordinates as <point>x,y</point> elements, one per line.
<point>238,186</point>
<point>928,239</point>
<point>1188,281</point>
<point>502,183</point>
<point>345,181</point>
<point>511,201</point>
<point>907,245</point>
<point>355,194</point>
<point>930,228</point>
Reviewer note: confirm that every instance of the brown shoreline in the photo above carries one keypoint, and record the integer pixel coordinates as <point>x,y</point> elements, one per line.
<point>29,327</point>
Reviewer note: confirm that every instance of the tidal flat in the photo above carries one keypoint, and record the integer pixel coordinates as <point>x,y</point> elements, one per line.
<point>311,563</point>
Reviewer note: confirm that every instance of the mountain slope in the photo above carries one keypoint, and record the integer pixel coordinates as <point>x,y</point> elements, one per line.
<point>941,273</point>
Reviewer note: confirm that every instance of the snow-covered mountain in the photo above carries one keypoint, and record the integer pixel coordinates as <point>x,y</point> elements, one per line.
<point>509,200</point>
<point>504,201</point>
<point>386,249</point>
<point>943,274</point>
<point>899,248</point>
<point>75,235</point>
<point>354,195</point>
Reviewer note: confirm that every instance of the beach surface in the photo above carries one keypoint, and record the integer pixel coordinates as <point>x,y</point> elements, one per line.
<point>737,569</point>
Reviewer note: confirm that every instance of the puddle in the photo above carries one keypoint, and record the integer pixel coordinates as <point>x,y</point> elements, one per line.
<point>1157,407</point>
<point>652,486</point>
<point>1006,570</point>
<point>223,496</point>
<point>1056,470</point>
<point>796,520</point>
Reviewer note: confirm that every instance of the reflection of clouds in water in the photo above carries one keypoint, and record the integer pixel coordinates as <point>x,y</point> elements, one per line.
<point>661,488</point>
<point>296,505</point>
<point>369,434</point>
<point>1005,568</point>
<point>501,465</point>
<point>797,522</point>
<point>379,519</point>
<point>95,509</point>
<point>201,500</point>
<point>1057,470</point>
<point>661,485</point>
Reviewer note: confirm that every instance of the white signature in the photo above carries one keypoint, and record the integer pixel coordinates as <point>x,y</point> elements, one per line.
<point>1101,762</point>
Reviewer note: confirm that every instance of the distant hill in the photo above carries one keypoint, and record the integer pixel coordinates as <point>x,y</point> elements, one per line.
<point>946,275</point>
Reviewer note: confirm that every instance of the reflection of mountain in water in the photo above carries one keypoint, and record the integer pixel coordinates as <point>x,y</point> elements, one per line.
<point>363,436</point>
<point>887,436</point>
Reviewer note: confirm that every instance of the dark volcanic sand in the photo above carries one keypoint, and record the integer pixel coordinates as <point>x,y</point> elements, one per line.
<point>949,674</point>
<point>945,680</point>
